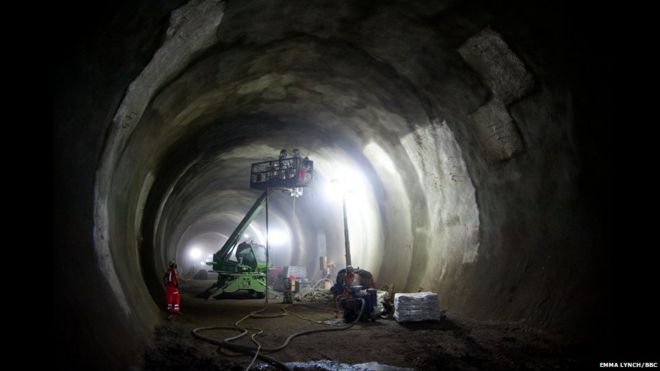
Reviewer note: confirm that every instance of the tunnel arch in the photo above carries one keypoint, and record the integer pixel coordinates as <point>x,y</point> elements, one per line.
<point>383,86</point>
<point>313,107</point>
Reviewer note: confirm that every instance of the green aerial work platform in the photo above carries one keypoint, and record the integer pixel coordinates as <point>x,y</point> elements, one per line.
<point>247,274</point>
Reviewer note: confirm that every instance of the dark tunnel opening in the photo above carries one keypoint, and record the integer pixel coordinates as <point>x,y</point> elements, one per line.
<point>472,135</point>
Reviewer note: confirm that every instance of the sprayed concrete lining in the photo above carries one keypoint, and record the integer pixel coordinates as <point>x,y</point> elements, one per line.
<point>379,96</point>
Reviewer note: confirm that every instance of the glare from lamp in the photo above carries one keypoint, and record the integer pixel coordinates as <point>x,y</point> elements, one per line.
<point>195,253</point>
<point>277,237</point>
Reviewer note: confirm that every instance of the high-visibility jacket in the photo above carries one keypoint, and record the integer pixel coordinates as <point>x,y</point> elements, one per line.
<point>170,278</point>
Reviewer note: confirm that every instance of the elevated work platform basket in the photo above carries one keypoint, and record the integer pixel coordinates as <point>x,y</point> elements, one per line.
<point>290,172</point>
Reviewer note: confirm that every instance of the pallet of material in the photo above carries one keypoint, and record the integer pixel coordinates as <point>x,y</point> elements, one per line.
<point>416,306</point>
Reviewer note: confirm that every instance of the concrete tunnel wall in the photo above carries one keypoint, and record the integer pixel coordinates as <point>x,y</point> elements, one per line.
<point>501,235</point>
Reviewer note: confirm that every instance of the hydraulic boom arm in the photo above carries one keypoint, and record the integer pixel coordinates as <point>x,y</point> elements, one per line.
<point>223,254</point>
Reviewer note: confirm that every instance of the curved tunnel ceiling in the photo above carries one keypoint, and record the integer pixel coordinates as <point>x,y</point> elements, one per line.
<point>352,114</point>
<point>363,113</point>
<point>463,180</point>
<point>361,121</point>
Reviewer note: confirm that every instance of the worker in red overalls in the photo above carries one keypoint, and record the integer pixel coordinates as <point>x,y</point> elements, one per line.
<point>172,286</point>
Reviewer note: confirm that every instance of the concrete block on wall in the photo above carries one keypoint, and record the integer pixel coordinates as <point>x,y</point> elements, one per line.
<point>502,71</point>
<point>496,131</point>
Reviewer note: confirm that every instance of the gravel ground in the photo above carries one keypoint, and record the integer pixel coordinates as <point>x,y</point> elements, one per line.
<point>450,344</point>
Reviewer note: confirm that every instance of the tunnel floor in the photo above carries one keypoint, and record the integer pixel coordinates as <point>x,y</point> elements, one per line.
<point>450,344</point>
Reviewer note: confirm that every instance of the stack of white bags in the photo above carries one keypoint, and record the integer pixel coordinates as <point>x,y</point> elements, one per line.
<point>416,306</point>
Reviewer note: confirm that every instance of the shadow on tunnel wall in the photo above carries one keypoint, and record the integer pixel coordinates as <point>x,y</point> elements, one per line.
<point>99,49</point>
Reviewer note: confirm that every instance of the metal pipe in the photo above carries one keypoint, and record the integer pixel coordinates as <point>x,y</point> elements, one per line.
<point>347,242</point>
<point>267,246</point>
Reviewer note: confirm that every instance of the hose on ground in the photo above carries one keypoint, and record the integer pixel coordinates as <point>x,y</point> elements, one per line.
<point>235,347</point>
<point>258,353</point>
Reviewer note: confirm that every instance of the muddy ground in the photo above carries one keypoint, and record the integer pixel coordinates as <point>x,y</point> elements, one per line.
<point>450,344</point>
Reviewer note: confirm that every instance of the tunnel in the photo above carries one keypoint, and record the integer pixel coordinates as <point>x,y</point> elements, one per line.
<point>468,137</point>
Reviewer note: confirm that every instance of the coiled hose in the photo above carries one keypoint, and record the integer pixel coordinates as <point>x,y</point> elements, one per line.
<point>225,343</point>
